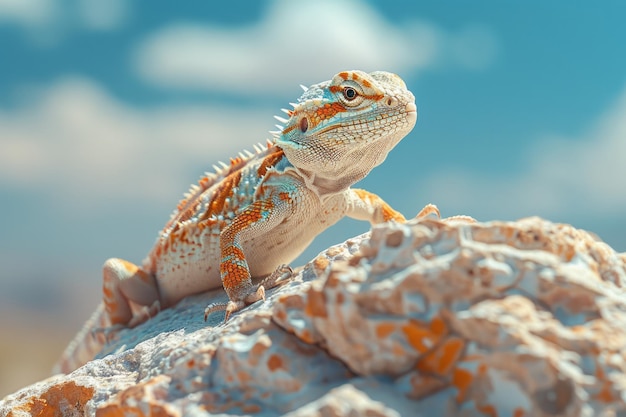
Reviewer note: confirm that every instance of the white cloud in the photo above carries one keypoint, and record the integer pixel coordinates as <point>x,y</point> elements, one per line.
<point>298,41</point>
<point>564,177</point>
<point>46,22</point>
<point>81,145</point>
<point>29,13</point>
<point>103,15</point>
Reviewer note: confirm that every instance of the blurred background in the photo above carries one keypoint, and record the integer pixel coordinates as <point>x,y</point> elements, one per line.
<point>110,109</point>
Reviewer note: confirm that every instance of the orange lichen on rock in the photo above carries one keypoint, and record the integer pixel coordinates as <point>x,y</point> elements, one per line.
<point>65,398</point>
<point>148,398</point>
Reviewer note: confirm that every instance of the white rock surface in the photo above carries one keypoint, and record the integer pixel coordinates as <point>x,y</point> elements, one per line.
<point>431,317</point>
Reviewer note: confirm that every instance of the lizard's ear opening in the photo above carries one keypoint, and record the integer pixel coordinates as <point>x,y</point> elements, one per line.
<point>304,124</point>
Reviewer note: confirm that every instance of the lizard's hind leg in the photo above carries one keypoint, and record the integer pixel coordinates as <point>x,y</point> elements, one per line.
<point>125,283</point>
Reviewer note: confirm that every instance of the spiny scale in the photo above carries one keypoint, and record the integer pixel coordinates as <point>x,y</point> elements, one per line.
<point>281,119</point>
<point>209,179</point>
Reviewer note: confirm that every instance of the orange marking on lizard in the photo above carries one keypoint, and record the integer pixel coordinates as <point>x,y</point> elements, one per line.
<point>344,75</point>
<point>186,214</point>
<point>366,83</point>
<point>329,110</point>
<point>107,292</point>
<point>232,271</point>
<point>223,192</point>
<point>235,161</point>
<point>374,97</point>
<point>315,117</point>
<point>186,208</point>
<point>270,161</point>
<point>387,212</point>
<point>202,182</point>
<point>129,266</point>
<point>237,254</point>
<point>335,88</point>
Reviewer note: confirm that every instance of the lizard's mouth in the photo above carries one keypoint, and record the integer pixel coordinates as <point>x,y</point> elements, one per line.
<point>411,113</point>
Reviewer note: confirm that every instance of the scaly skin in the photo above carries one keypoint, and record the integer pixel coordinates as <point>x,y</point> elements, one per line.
<point>251,217</point>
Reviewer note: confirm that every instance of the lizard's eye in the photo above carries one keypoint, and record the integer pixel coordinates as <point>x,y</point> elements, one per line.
<point>350,93</point>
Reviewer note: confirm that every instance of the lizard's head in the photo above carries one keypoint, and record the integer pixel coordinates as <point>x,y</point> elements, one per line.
<point>340,129</point>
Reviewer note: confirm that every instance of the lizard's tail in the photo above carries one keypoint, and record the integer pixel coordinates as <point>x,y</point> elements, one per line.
<point>86,344</point>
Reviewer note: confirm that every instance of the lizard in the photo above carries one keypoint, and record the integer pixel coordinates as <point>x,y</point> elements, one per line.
<point>250,218</point>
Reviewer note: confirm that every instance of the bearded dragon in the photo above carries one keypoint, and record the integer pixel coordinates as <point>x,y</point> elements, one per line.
<point>249,218</point>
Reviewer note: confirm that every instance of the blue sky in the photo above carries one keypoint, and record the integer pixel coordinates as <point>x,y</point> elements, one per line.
<point>109,110</point>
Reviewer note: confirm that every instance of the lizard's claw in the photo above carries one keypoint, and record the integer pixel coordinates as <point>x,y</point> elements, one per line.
<point>212,308</point>
<point>230,307</point>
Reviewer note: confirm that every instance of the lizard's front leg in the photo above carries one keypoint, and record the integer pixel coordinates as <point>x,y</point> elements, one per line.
<point>364,205</point>
<point>259,217</point>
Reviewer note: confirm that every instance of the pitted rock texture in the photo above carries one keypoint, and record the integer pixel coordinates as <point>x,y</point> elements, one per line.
<point>431,317</point>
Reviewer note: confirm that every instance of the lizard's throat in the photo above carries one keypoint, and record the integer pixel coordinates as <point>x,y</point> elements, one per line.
<point>328,186</point>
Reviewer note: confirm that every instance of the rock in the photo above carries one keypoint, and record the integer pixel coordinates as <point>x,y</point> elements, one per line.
<point>430,317</point>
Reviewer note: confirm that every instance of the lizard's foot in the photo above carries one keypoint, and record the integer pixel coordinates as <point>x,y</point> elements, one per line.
<point>145,314</point>
<point>229,307</point>
<point>276,278</point>
<point>235,305</point>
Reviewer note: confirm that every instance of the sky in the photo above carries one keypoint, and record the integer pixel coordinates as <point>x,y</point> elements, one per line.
<point>109,110</point>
